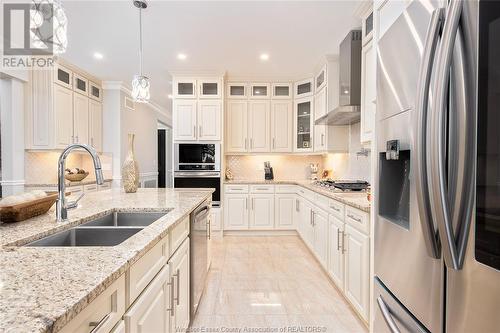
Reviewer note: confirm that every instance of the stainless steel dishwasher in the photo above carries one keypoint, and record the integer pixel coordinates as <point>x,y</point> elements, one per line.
<point>200,233</point>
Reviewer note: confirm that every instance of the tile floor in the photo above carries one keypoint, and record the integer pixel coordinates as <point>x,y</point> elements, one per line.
<point>272,284</point>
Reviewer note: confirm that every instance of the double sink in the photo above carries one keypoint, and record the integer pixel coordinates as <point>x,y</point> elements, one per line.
<point>109,230</point>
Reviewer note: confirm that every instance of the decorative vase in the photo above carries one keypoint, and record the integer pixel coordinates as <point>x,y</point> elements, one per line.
<point>130,168</point>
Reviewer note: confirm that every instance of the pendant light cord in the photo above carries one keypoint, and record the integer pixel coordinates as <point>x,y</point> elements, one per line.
<point>140,39</point>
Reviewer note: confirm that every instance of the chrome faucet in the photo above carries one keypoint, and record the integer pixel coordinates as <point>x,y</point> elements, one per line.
<point>61,205</point>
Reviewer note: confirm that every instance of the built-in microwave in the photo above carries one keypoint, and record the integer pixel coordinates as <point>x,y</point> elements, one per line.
<point>197,157</point>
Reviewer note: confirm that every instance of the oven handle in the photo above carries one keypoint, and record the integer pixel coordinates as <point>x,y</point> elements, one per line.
<point>197,174</point>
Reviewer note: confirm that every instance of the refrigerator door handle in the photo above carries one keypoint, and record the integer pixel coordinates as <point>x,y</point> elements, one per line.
<point>386,313</point>
<point>428,228</point>
<point>450,211</point>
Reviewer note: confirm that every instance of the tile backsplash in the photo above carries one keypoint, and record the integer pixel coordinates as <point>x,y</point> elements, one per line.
<point>41,167</point>
<point>285,167</point>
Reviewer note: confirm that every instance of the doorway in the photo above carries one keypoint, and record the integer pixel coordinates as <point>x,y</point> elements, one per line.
<point>164,156</point>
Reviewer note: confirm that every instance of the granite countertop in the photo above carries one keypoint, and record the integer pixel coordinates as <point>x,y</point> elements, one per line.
<point>354,199</point>
<point>68,183</point>
<point>42,289</point>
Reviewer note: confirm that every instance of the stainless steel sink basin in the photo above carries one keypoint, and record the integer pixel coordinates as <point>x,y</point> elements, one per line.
<point>100,236</point>
<point>122,219</point>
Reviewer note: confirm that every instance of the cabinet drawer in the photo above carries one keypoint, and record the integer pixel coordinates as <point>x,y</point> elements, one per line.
<point>145,269</point>
<point>90,188</point>
<point>322,201</point>
<point>178,234</point>
<point>357,219</point>
<point>102,314</point>
<point>286,189</point>
<point>74,190</point>
<point>236,188</point>
<point>309,195</point>
<point>261,188</point>
<point>104,186</point>
<point>337,209</point>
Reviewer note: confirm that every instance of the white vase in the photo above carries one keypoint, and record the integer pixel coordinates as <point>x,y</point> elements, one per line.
<point>130,168</point>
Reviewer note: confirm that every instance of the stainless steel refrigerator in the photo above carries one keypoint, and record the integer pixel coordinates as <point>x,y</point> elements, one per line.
<point>437,231</point>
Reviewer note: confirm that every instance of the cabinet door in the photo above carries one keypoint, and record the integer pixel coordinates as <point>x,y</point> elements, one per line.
<point>281,126</point>
<point>95,131</point>
<point>209,89</point>
<point>284,208</point>
<point>357,276</point>
<point>261,211</point>
<point>306,221</point>
<point>236,90</point>
<point>95,91</point>
<point>179,271</point>
<point>259,126</point>
<point>320,224</point>
<point>185,120</point>
<point>320,79</point>
<point>81,118</point>
<point>304,88</point>
<point>63,76</point>
<point>320,103</point>
<point>236,212</point>
<point>80,84</point>
<point>63,111</point>
<point>282,91</point>
<point>151,312</point>
<point>236,126</point>
<point>184,88</point>
<point>335,251</point>
<point>260,90</point>
<point>320,137</point>
<point>303,112</point>
<point>209,120</point>
<point>368,92</point>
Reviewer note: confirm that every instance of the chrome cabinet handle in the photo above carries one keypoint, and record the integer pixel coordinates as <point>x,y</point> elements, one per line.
<point>72,139</point>
<point>386,313</point>
<point>357,219</point>
<point>274,143</point>
<point>338,239</point>
<point>343,242</point>
<point>423,199</point>
<point>335,208</point>
<point>253,203</point>
<point>77,140</point>
<point>452,211</point>
<point>208,229</point>
<point>246,203</point>
<point>92,142</point>
<point>246,145</point>
<point>172,305</point>
<point>201,131</point>
<point>297,205</point>
<point>251,143</point>
<point>194,131</point>
<point>99,324</point>
<point>322,139</point>
<point>178,275</point>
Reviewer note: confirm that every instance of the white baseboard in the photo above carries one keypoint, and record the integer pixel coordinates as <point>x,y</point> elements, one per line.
<point>251,233</point>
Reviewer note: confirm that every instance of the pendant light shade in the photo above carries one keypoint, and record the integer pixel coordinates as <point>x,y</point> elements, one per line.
<point>43,11</point>
<point>140,83</point>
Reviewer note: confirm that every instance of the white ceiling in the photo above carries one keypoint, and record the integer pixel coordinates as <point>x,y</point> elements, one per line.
<point>216,36</point>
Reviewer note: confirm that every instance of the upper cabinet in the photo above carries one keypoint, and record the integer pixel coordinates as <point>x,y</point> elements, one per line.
<point>259,90</point>
<point>282,90</point>
<point>236,90</point>
<point>95,91</point>
<point>63,76</point>
<point>367,27</point>
<point>320,79</point>
<point>184,88</point>
<point>80,84</point>
<point>368,92</point>
<point>210,88</point>
<point>304,88</point>
<point>304,124</point>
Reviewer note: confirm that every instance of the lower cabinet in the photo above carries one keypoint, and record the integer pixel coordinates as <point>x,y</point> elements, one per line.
<point>261,211</point>
<point>336,251</point>
<point>320,226</point>
<point>357,274</point>
<point>179,277</point>
<point>306,222</point>
<point>284,211</point>
<point>236,211</point>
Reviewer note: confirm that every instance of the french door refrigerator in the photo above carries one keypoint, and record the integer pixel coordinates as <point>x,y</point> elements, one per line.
<point>437,231</point>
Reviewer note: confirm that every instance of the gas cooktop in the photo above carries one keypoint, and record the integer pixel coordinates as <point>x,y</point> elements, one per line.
<point>344,185</point>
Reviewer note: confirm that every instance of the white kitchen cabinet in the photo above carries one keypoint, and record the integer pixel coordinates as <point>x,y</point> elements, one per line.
<point>95,91</point>
<point>336,252</point>
<point>304,88</point>
<point>259,125</point>
<point>184,118</point>
<point>320,138</point>
<point>152,311</point>
<point>357,272</point>
<point>236,126</point>
<point>284,211</point>
<point>282,126</point>
<point>320,80</point>
<point>209,120</point>
<point>236,90</point>
<point>320,225</point>
<point>261,211</point>
<point>179,275</point>
<point>236,212</point>
<point>81,119</point>
<point>80,84</point>
<point>210,88</point>
<point>63,76</point>
<point>305,214</point>
<point>95,124</point>
<point>119,328</point>
<point>304,124</point>
<point>184,88</point>
<point>368,92</point>
<point>320,103</point>
<point>216,219</point>
<point>282,91</point>
<point>260,91</point>
<point>63,111</point>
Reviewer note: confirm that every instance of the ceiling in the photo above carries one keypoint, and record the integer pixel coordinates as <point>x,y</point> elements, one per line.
<point>216,36</point>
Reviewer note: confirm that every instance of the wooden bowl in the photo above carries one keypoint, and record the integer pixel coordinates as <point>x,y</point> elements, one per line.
<point>27,210</point>
<point>76,177</point>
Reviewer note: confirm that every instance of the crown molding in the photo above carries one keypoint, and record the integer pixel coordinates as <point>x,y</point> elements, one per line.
<point>363,9</point>
<point>197,74</point>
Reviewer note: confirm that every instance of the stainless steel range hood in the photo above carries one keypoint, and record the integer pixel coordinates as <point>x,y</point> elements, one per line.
<point>349,109</point>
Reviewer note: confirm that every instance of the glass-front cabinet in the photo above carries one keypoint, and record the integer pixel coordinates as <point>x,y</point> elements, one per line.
<point>63,76</point>
<point>236,90</point>
<point>304,124</point>
<point>80,84</point>
<point>95,91</point>
<point>304,88</point>
<point>281,91</point>
<point>320,79</point>
<point>209,89</point>
<point>184,88</point>
<point>259,90</point>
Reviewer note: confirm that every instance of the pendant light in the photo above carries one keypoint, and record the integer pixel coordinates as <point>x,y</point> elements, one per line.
<point>140,83</point>
<point>49,11</point>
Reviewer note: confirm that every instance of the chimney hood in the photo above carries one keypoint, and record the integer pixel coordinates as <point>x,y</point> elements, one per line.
<point>349,109</point>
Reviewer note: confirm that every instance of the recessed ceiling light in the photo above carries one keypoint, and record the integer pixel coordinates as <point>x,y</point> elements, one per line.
<point>181,56</point>
<point>264,56</point>
<point>98,55</point>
